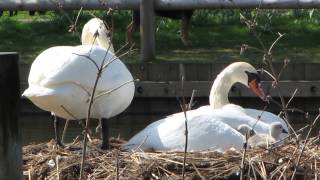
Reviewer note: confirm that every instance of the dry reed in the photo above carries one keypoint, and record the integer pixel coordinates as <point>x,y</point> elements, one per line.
<point>275,163</point>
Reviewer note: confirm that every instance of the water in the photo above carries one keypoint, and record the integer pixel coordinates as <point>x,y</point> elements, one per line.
<point>39,128</point>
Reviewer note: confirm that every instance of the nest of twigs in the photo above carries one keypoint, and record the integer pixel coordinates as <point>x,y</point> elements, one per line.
<point>46,161</point>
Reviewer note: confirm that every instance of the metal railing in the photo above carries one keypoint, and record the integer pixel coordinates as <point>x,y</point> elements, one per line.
<point>158,4</point>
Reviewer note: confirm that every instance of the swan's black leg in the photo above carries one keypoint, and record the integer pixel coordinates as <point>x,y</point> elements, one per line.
<point>56,124</point>
<point>105,133</point>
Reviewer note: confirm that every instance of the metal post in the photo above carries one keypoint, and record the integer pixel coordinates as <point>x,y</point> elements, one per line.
<point>10,143</point>
<point>159,4</point>
<point>147,30</point>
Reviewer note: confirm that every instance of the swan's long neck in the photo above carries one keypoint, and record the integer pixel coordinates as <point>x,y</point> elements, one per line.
<point>220,90</point>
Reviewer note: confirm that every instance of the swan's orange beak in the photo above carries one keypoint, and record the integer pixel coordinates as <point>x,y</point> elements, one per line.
<point>257,89</point>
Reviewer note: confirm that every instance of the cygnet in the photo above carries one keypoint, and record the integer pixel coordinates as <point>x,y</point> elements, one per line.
<point>264,140</point>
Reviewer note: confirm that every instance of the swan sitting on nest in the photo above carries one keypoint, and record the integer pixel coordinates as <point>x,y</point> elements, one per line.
<point>219,96</point>
<point>206,131</point>
<point>209,128</point>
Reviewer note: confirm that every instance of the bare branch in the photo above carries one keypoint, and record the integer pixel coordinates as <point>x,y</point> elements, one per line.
<point>268,58</point>
<point>259,117</point>
<point>117,164</point>
<point>292,96</point>
<point>86,130</point>
<point>286,61</point>
<point>268,73</point>
<point>254,48</point>
<point>58,4</point>
<point>121,48</point>
<point>73,27</point>
<point>65,130</point>
<point>245,146</point>
<point>303,146</point>
<point>191,99</point>
<point>251,27</point>
<point>275,42</point>
<point>70,114</point>
<point>183,108</point>
<point>114,89</point>
<point>89,58</point>
<point>115,58</point>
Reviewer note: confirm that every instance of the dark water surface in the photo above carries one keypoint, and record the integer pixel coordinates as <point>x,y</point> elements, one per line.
<point>39,128</point>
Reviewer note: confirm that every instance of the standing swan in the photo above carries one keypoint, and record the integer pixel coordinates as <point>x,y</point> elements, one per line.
<point>61,78</point>
<point>95,32</point>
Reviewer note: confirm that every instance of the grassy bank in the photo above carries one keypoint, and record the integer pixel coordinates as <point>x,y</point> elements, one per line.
<point>216,35</point>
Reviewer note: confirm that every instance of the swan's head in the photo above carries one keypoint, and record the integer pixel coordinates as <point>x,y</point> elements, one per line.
<point>95,32</point>
<point>246,74</point>
<point>245,130</point>
<point>276,129</point>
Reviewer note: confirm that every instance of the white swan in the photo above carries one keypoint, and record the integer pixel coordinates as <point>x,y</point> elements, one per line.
<point>246,74</point>
<point>167,134</point>
<point>94,32</point>
<point>263,140</point>
<point>206,131</point>
<point>61,79</point>
<point>225,111</point>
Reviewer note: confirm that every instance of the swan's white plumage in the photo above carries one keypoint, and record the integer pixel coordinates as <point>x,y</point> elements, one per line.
<point>59,76</point>
<point>207,131</point>
<point>219,96</point>
<point>235,72</point>
<point>210,127</point>
<point>264,140</point>
<point>94,32</point>
<point>235,110</point>
<point>265,116</point>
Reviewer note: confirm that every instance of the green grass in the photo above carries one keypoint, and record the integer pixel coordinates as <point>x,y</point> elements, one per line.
<point>216,35</point>
<point>31,35</point>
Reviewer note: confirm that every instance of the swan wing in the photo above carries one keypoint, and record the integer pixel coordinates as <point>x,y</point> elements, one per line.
<point>251,118</point>
<point>48,62</point>
<point>265,116</point>
<point>65,75</point>
<point>205,132</point>
<point>73,65</point>
<point>235,116</point>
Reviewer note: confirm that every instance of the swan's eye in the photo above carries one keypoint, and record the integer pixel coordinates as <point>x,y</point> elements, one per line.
<point>255,85</point>
<point>253,76</point>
